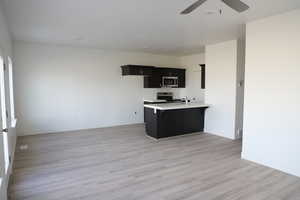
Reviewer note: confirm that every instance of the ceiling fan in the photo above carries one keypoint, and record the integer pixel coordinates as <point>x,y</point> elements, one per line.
<point>237,5</point>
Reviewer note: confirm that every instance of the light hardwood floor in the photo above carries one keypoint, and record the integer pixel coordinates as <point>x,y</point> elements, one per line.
<point>121,163</point>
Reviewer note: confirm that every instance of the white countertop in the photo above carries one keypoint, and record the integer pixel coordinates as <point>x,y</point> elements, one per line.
<point>173,106</point>
<point>155,100</point>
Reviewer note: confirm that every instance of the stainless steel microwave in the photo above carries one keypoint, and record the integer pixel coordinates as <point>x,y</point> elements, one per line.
<point>170,81</point>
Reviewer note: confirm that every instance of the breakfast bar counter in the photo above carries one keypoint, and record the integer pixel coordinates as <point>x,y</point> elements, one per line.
<point>172,119</point>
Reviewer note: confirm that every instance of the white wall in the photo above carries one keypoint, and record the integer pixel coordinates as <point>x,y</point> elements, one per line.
<point>5,39</point>
<point>221,79</point>
<point>62,88</point>
<point>6,50</point>
<point>193,76</point>
<point>272,98</point>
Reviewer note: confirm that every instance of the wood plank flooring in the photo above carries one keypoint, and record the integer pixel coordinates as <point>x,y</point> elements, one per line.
<point>121,163</point>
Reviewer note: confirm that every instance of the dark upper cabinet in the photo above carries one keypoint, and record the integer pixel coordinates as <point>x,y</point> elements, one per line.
<point>169,72</point>
<point>181,77</point>
<point>154,80</point>
<point>203,74</point>
<point>153,75</point>
<point>137,70</point>
<point>175,72</point>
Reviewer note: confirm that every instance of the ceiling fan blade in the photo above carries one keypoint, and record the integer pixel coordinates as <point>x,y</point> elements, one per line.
<point>192,7</point>
<point>236,5</point>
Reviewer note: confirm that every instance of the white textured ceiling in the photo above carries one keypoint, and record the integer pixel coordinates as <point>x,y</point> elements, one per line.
<point>153,26</point>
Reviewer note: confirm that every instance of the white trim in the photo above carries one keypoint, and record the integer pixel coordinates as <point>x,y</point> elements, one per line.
<point>1,185</point>
<point>11,88</point>
<point>6,151</point>
<point>3,115</point>
<point>2,93</point>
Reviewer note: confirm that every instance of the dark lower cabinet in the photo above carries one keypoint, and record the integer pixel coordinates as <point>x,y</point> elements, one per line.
<point>168,123</point>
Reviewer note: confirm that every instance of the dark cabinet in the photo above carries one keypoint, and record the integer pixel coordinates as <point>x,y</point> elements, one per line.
<point>167,123</point>
<point>137,70</point>
<point>170,72</point>
<point>154,80</point>
<point>175,72</point>
<point>203,74</point>
<point>180,73</point>
<point>153,75</point>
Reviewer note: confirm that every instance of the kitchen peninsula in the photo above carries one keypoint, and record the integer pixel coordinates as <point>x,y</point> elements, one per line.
<point>172,119</point>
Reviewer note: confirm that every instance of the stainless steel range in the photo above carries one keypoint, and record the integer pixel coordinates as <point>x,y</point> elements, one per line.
<point>168,96</point>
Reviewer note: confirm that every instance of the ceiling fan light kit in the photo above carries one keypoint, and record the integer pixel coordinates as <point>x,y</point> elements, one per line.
<point>236,5</point>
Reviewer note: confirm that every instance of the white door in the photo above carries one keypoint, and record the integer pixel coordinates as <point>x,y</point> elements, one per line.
<point>5,120</point>
<point>3,133</point>
<point>2,169</point>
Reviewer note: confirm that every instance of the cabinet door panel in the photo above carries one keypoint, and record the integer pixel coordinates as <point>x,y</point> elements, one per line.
<point>181,78</point>
<point>154,80</point>
<point>137,70</point>
<point>168,72</point>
